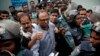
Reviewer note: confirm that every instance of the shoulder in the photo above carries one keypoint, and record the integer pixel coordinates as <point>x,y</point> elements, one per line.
<point>87,46</point>
<point>60,18</point>
<point>34,25</point>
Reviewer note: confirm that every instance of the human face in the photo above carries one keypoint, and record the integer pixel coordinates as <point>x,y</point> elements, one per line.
<point>78,20</point>
<point>30,15</point>
<point>8,45</point>
<point>4,16</point>
<point>89,13</point>
<point>48,8</point>
<point>83,14</point>
<point>26,23</point>
<point>25,8</point>
<point>32,4</point>
<point>43,20</point>
<point>94,39</point>
<point>11,9</point>
<point>53,17</point>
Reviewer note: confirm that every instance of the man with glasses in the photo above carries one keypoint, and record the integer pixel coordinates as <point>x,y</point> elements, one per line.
<point>47,44</point>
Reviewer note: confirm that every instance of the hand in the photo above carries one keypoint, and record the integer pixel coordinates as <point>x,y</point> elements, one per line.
<point>56,30</point>
<point>38,35</point>
<point>62,30</point>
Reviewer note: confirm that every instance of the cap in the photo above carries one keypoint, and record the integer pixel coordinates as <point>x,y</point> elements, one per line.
<point>9,30</point>
<point>96,27</point>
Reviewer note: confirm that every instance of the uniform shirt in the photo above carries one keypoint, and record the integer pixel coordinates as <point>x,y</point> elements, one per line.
<point>68,37</point>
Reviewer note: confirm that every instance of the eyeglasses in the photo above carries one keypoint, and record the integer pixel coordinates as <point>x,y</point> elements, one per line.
<point>44,19</point>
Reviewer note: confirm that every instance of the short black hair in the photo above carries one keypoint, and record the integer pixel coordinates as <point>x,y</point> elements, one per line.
<point>82,9</point>
<point>11,6</point>
<point>24,5</point>
<point>79,6</point>
<point>4,12</point>
<point>89,11</point>
<point>54,11</point>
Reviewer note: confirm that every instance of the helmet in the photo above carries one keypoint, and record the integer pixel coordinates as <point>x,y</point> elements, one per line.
<point>96,27</point>
<point>4,34</point>
<point>9,30</point>
<point>6,53</point>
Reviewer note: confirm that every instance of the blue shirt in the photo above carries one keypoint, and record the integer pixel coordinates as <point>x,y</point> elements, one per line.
<point>47,44</point>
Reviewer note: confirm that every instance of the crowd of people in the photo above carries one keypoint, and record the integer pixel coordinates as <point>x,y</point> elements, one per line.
<point>49,29</point>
